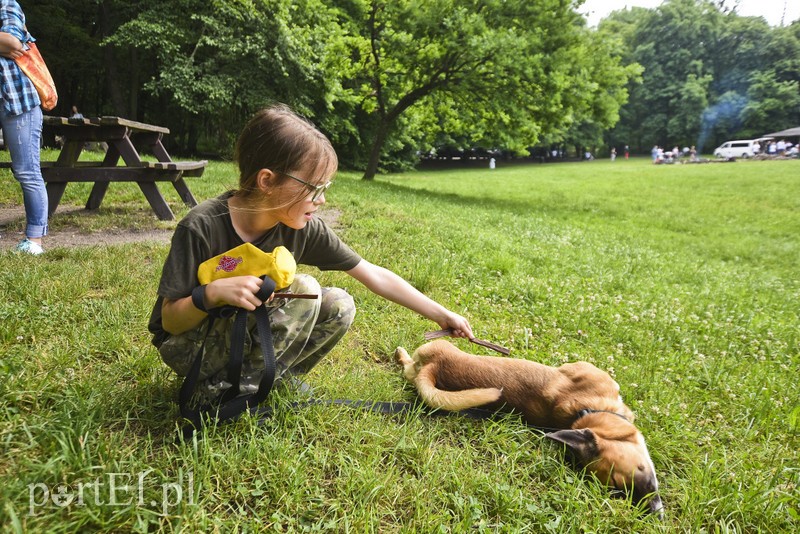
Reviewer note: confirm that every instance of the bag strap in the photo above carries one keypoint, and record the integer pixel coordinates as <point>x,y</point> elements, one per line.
<point>190,382</point>
<point>232,404</point>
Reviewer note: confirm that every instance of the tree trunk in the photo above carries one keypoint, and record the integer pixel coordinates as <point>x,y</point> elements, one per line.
<point>134,85</point>
<point>377,147</point>
<point>109,58</point>
<point>387,120</point>
<point>192,137</point>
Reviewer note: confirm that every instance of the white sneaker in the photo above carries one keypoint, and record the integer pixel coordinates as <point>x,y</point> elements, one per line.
<point>29,247</point>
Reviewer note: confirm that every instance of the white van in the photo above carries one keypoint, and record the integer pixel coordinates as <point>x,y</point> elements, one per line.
<point>742,148</point>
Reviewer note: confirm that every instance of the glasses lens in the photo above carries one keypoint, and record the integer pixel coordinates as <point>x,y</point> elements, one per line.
<point>320,190</point>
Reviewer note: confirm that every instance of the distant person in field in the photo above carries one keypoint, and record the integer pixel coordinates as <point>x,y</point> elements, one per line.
<point>772,148</point>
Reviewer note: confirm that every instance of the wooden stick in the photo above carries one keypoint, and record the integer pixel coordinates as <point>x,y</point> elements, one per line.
<point>295,296</point>
<point>489,345</point>
<point>482,343</point>
<point>438,333</point>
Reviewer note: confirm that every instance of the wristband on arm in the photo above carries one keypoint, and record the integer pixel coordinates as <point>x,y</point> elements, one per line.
<point>199,298</point>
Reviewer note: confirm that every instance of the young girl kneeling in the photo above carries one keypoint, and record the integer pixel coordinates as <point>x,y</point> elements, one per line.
<point>285,168</point>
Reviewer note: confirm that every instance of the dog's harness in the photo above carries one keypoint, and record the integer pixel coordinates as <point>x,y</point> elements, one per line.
<point>587,411</point>
<point>276,270</point>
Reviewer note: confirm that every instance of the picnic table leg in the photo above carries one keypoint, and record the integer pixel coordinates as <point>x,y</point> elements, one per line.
<point>159,151</point>
<point>96,196</point>
<point>156,200</point>
<point>124,147</point>
<point>112,156</point>
<point>67,158</point>
<point>55,190</point>
<point>184,192</point>
<point>70,153</point>
<point>99,189</point>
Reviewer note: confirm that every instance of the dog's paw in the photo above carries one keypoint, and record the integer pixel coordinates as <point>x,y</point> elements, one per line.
<point>401,355</point>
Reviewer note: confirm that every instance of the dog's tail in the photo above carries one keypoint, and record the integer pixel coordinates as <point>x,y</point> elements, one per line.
<point>452,400</point>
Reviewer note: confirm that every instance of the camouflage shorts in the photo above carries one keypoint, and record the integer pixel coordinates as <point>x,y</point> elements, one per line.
<point>303,331</point>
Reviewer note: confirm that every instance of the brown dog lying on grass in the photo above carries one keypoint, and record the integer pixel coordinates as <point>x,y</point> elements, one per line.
<point>577,397</point>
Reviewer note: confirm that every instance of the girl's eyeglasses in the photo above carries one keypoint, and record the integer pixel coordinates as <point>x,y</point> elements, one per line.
<point>318,190</point>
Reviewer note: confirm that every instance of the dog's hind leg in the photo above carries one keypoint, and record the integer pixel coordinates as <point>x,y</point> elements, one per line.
<point>409,368</point>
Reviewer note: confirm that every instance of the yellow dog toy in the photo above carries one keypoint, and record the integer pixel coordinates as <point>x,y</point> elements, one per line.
<point>249,259</point>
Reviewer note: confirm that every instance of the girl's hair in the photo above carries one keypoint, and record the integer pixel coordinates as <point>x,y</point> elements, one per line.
<point>278,139</point>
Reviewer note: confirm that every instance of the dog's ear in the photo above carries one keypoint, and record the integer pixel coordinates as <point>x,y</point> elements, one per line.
<point>581,443</point>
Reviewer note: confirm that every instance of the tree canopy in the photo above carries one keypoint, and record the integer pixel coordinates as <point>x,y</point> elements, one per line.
<point>390,80</point>
<point>709,75</point>
<point>485,73</point>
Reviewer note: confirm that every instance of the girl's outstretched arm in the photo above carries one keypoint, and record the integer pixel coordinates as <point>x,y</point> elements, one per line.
<point>392,287</point>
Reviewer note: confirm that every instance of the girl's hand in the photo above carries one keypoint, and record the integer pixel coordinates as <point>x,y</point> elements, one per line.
<point>237,291</point>
<point>459,326</point>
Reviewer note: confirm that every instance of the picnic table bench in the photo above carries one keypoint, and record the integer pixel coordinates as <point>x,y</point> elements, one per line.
<point>125,140</point>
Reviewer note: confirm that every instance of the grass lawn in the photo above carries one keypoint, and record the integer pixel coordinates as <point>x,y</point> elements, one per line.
<point>681,281</point>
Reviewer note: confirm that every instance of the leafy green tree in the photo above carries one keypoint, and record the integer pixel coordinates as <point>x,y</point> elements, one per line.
<point>709,74</point>
<point>772,104</point>
<point>498,73</point>
<point>216,62</point>
<point>774,91</point>
<point>603,83</point>
<point>69,33</point>
<point>692,100</point>
<point>742,47</point>
<point>624,25</point>
<point>720,119</point>
<point>675,44</point>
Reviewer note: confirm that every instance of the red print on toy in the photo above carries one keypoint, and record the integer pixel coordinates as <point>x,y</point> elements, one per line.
<point>228,263</point>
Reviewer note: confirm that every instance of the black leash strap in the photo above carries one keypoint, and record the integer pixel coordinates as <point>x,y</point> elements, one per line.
<point>394,408</point>
<point>189,383</point>
<point>232,404</point>
<point>383,407</point>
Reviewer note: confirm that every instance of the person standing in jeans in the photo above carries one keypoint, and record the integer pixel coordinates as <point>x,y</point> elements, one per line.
<point>21,119</point>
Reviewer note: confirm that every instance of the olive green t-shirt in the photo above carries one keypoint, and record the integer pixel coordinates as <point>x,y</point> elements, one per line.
<point>207,231</point>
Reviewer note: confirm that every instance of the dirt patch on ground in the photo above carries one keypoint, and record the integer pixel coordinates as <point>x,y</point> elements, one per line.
<point>12,220</point>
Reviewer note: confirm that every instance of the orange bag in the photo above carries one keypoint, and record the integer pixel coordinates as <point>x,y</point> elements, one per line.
<point>34,67</point>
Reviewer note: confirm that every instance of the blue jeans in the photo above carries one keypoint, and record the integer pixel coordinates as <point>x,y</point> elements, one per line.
<point>22,135</point>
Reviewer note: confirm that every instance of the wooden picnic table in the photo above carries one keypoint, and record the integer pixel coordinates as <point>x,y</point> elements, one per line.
<point>126,140</point>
